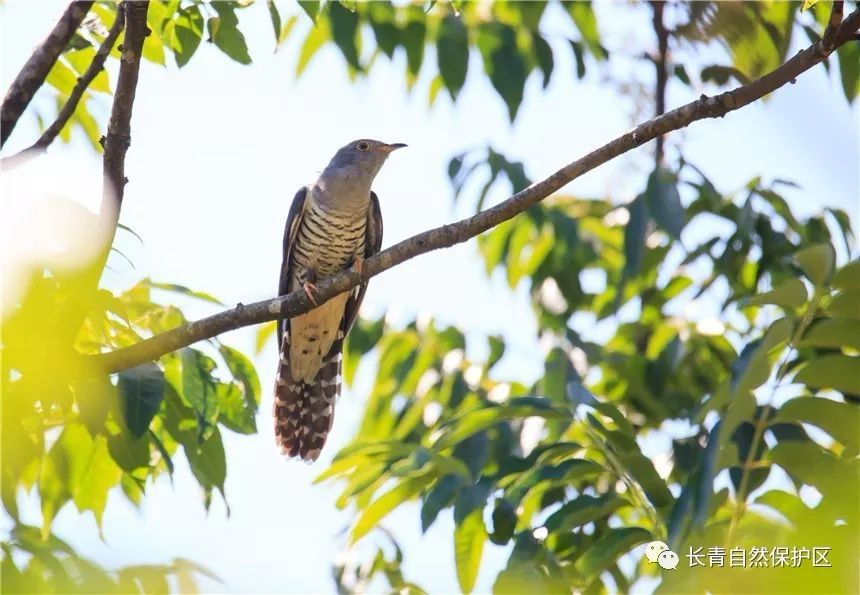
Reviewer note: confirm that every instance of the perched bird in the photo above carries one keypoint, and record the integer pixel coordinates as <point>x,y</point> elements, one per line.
<point>333,224</point>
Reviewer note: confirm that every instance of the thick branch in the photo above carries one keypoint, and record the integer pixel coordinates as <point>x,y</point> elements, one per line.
<point>71,105</point>
<point>33,73</point>
<point>443,237</point>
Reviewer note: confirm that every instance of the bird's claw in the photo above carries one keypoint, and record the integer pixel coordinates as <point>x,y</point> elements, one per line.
<point>357,264</point>
<point>310,291</point>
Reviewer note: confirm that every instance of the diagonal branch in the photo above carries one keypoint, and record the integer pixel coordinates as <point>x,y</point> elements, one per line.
<point>443,237</point>
<point>75,96</point>
<point>38,66</point>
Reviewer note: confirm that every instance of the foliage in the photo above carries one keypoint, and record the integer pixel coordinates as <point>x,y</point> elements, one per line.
<point>75,435</point>
<point>557,470</point>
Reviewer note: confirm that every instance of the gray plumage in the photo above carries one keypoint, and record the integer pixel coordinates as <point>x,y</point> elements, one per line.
<point>333,224</point>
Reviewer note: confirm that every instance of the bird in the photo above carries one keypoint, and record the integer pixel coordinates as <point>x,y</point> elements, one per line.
<point>333,224</point>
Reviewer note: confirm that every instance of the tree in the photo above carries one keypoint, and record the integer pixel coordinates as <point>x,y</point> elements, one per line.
<point>572,501</point>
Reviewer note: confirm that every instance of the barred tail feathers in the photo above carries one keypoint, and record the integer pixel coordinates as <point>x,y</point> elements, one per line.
<point>304,411</point>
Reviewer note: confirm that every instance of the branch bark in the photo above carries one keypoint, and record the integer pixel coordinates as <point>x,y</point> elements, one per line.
<point>443,237</point>
<point>116,143</point>
<point>33,73</point>
<point>660,66</point>
<point>95,67</point>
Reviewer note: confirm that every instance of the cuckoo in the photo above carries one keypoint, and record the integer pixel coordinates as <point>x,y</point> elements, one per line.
<point>333,224</point>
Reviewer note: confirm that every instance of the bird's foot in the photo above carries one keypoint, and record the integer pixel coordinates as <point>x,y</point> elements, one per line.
<point>357,264</point>
<point>310,291</point>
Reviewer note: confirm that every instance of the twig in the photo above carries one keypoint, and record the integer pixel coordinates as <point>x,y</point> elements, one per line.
<point>833,24</point>
<point>443,237</point>
<point>75,96</point>
<point>33,73</point>
<point>660,65</point>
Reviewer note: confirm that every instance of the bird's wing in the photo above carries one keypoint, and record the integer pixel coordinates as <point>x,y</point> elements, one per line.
<point>293,220</point>
<point>372,245</point>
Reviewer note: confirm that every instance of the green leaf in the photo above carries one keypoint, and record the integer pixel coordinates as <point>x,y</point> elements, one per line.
<point>208,461</point>
<point>441,496</point>
<point>234,412</point>
<point>185,35</point>
<point>383,505</point>
<point>840,420</point>
<point>720,75</point>
<point>452,49</point>
<point>504,522</point>
<point>344,30</point>
<point>790,294</point>
<point>364,336</point>
<point>839,372</point>
<point>807,4</point>
<point>142,390</point>
<point>485,416</point>
<point>181,289</point>
<point>609,548</point>
<point>849,58</point>
<point>275,17</point>
<point>243,370</point>
<point>809,463</point>
<point>664,202</point>
<point>81,60</point>
<point>816,262</point>
<point>383,21</point>
<point>99,475</point>
<point>264,332</point>
<point>497,350</point>
<point>580,59</point>
<point>847,278</point>
<point>469,537</point>
<point>585,20</point>
<point>224,32</point>
<point>543,55</point>
<point>642,470</point>
<point>845,305</point>
<point>317,36</point>
<point>833,332</point>
<point>412,37</point>
<point>582,510</point>
<point>503,63</point>
<point>634,235</point>
<point>311,8</point>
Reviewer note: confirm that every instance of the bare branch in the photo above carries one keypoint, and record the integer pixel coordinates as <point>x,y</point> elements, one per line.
<point>33,73</point>
<point>660,64</point>
<point>116,143</point>
<point>833,24</point>
<point>443,237</point>
<point>118,137</point>
<point>75,96</point>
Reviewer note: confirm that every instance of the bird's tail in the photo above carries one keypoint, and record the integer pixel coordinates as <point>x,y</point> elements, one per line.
<point>304,411</point>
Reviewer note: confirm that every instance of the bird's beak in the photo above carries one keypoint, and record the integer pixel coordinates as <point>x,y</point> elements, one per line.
<point>393,147</point>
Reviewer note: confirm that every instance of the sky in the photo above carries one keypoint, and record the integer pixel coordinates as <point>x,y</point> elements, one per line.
<point>219,150</point>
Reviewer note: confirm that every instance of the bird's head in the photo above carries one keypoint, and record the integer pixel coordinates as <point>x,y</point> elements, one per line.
<point>363,156</point>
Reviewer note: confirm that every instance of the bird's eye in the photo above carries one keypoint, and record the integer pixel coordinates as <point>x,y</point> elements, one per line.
<point>362,146</point>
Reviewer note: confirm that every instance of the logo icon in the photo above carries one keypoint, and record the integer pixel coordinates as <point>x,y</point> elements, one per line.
<point>658,552</point>
<point>668,560</point>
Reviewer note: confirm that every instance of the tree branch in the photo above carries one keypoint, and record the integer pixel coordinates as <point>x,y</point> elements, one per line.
<point>660,66</point>
<point>33,73</point>
<point>443,237</point>
<point>41,145</point>
<point>116,142</point>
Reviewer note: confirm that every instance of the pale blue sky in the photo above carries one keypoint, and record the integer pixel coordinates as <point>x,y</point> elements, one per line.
<point>218,151</point>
